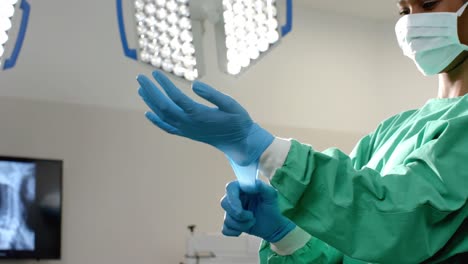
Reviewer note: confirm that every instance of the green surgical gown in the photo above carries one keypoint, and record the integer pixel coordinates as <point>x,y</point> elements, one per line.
<point>399,197</point>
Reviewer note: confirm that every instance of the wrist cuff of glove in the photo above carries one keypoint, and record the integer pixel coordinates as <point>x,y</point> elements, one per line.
<point>282,232</point>
<point>257,142</point>
<point>246,175</point>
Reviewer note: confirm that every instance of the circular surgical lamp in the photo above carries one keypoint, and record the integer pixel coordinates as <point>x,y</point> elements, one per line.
<point>11,41</point>
<point>169,33</point>
<point>248,29</point>
<point>168,36</point>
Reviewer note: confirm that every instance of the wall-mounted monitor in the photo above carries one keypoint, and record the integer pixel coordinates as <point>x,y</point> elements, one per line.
<point>30,208</point>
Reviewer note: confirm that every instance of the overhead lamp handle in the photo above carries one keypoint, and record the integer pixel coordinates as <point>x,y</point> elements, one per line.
<point>286,28</point>
<point>11,62</point>
<point>131,53</point>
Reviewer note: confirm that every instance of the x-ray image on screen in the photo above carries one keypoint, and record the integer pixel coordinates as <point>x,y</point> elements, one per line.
<point>17,194</point>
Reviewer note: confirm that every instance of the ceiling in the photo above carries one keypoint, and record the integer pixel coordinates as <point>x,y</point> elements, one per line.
<point>374,9</point>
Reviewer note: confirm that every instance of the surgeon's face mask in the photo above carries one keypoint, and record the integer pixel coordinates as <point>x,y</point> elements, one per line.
<point>431,39</point>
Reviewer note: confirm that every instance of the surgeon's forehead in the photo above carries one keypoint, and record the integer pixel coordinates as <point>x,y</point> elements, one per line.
<point>406,2</point>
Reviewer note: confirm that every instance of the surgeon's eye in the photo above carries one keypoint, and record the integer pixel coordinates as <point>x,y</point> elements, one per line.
<point>429,5</point>
<point>404,12</point>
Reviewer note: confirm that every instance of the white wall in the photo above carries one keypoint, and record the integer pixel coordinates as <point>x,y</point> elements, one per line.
<point>130,190</point>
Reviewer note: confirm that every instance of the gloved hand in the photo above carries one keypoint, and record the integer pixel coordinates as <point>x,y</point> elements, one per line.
<point>228,127</point>
<point>257,214</point>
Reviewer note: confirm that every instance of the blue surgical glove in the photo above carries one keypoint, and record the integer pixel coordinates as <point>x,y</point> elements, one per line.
<point>227,127</point>
<point>257,213</point>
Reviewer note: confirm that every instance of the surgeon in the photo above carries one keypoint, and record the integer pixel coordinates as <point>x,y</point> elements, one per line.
<point>399,197</point>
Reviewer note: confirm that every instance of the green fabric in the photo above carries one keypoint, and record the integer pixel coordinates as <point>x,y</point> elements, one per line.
<point>400,197</point>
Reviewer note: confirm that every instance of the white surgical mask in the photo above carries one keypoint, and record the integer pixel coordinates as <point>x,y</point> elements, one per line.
<point>431,39</point>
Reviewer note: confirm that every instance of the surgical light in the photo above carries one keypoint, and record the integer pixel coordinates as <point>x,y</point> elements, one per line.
<point>7,10</point>
<point>169,32</point>
<point>165,30</point>
<point>249,29</point>
<point>8,36</point>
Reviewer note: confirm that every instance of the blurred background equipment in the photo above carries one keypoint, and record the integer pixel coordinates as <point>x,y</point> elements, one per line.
<point>215,248</point>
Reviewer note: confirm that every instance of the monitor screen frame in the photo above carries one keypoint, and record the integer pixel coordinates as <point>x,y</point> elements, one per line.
<point>37,254</point>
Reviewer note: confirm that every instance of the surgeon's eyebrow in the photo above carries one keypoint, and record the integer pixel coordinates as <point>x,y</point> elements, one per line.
<point>406,2</point>
<point>403,4</point>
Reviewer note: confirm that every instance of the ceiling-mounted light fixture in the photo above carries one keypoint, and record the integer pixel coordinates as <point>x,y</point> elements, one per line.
<point>8,17</point>
<point>248,29</point>
<point>168,36</point>
<point>168,33</point>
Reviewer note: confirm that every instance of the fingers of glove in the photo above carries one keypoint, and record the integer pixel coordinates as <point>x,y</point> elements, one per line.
<point>159,102</point>
<point>233,204</point>
<point>160,116</point>
<point>233,224</point>
<point>177,96</point>
<point>236,213</point>
<point>222,101</point>
<point>161,124</point>
<point>145,97</point>
<point>229,232</point>
<point>267,193</point>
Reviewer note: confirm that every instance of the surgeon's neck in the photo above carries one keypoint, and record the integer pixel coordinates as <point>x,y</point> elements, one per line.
<point>454,83</point>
